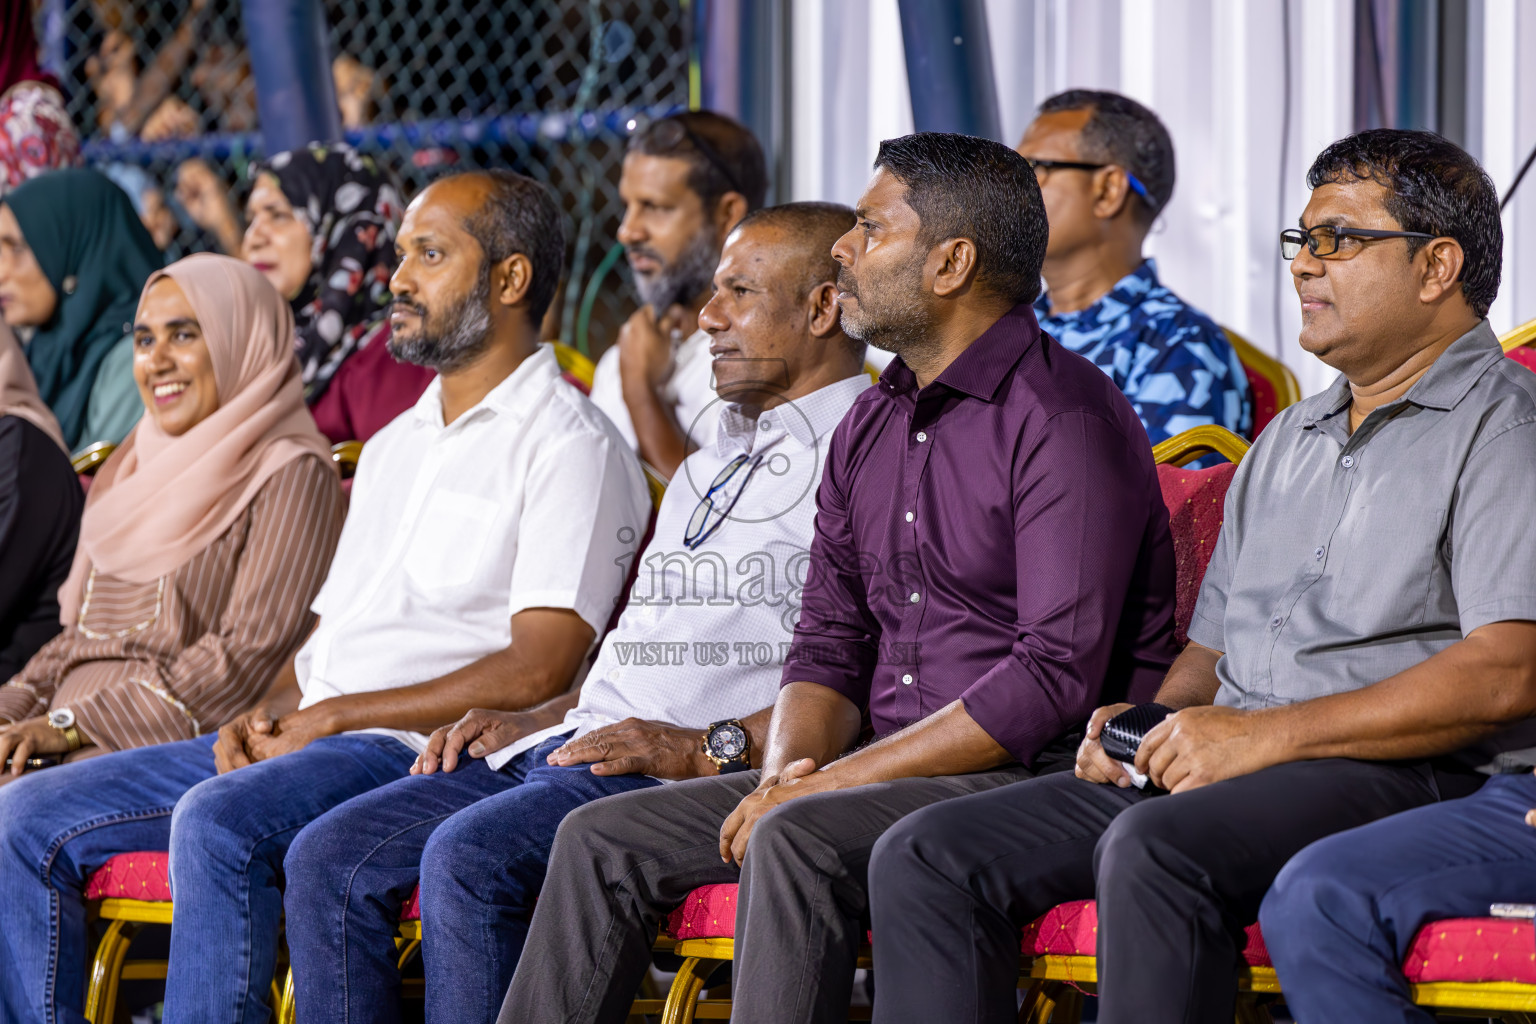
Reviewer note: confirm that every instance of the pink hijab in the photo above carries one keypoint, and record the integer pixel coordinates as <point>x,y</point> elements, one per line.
<point>160,500</point>
<point>18,391</point>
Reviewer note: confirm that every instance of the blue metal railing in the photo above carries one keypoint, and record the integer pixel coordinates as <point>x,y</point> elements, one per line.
<point>488,130</point>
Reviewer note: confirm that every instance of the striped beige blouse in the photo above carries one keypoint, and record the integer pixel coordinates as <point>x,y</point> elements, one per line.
<point>180,656</point>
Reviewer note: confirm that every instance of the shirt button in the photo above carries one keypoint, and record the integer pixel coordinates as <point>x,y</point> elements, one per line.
<point>765,422</point>
<point>1348,462</point>
<point>906,680</point>
<point>1275,622</point>
<point>921,437</point>
<point>914,598</point>
<point>1318,554</point>
<point>910,517</point>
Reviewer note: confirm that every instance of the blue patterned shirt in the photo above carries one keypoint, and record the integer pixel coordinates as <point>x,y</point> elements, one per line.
<point>1171,360</point>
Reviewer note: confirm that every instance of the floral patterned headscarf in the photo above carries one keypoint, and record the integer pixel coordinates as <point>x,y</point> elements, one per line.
<point>36,134</point>
<point>352,208</point>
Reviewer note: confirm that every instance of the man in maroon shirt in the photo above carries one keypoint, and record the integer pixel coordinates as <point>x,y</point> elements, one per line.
<point>991,562</point>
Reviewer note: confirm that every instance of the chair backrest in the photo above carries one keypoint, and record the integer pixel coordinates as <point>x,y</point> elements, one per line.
<point>89,459</point>
<point>1520,345</point>
<point>1270,381</point>
<point>654,482</point>
<point>1523,336</point>
<point>345,454</point>
<point>574,366</point>
<point>1195,498</point>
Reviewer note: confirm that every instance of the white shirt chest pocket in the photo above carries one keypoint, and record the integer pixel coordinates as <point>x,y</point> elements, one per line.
<point>450,539</point>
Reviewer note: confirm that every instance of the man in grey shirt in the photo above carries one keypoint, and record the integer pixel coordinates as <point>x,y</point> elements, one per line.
<point>1362,643</point>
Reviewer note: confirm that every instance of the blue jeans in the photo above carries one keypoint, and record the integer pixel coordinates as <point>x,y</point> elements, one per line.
<point>478,840</point>
<point>1340,917</point>
<point>227,835</point>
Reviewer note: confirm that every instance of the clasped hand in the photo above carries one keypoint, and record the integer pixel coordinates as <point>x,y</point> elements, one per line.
<point>258,736</point>
<point>1189,749</point>
<point>799,778</point>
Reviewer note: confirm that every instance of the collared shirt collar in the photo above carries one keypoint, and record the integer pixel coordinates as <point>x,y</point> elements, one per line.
<point>981,369</point>
<point>1128,293</point>
<point>513,397</point>
<point>806,419</point>
<point>1443,385</point>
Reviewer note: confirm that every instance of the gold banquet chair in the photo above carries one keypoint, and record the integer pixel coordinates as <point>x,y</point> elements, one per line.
<point>1271,383</point>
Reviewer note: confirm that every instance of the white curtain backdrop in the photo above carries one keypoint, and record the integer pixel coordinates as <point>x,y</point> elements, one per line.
<point>1215,72</point>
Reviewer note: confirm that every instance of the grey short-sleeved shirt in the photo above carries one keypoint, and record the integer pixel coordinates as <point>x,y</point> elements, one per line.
<point>1345,559</point>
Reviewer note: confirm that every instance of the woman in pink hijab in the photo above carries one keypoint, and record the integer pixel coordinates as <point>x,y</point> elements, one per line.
<point>205,537</point>
<point>39,512</point>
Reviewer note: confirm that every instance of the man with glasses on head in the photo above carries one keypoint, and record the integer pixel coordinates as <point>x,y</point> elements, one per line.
<point>681,688</point>
<point>1364,641</point>
<point>992,560</point>
<point>1106,170</point>
<point>688,180</point>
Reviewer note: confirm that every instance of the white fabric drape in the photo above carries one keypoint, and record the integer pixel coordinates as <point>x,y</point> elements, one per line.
<point>1214,70</point>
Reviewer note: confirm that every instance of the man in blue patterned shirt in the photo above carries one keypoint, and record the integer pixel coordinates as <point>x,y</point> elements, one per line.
<point>1106,168</point>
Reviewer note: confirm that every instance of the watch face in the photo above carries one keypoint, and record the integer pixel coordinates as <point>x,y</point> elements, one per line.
<point>727,741</point>
<point>63,718</point>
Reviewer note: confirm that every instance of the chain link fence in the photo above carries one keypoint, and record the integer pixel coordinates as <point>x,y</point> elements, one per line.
<point>163,94</point>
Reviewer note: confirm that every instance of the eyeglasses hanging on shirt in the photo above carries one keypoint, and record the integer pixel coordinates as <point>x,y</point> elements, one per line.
<point>715,507</point>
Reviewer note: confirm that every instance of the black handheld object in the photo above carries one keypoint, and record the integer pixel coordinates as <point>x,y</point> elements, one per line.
<point>46,761</point>
<point>1123,734</point>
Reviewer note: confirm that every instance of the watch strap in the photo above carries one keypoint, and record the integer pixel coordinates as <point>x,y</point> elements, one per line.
<point>72,737</point>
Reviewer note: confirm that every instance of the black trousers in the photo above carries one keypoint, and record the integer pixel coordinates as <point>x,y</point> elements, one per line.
<point>1177,879</point>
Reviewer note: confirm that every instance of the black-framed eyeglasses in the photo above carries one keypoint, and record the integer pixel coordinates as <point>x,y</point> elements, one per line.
<point>707,515</point>
<point>1323,240</point>
<point>1134,182</point>
<point>670,133</point>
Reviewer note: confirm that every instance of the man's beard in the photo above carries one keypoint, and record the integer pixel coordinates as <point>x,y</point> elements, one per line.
<point>891,314</point>
<point>453,340</point>
<point>681,280</point>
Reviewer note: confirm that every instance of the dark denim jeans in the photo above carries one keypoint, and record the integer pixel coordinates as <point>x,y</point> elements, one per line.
<point>227,835</point>
<point>1342,915</point>
<point>478,840</point>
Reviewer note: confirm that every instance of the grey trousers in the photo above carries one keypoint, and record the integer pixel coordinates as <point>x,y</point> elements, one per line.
<point>621,864</point>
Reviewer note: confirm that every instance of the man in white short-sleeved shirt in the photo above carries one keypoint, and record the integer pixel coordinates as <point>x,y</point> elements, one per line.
<point>688,180</point>
<point>682,687</point>
<point>440,553</point>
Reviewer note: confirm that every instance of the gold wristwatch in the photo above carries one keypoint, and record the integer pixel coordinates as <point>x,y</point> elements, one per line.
<point>63,720</point>
<point>729,746</point>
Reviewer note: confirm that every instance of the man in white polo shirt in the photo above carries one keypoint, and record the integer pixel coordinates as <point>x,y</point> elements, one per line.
<point>681,688</point>
<point>482,556</point>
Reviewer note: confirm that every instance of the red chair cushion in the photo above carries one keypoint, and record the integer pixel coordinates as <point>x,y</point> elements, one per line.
<point>1195,499</point>
<point>1265,398</point>
<point>1072,929</point>
<point>1525,355</point>
<point>709,912</point>
<point>1473,949</point>
<point>412,909</point>
<point>144,875</point>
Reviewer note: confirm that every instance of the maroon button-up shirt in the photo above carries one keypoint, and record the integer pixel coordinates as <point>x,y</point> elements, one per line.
<point>997,537</point>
